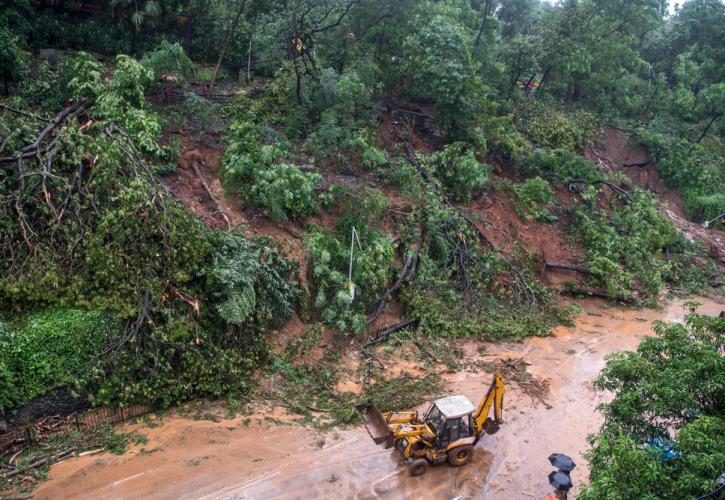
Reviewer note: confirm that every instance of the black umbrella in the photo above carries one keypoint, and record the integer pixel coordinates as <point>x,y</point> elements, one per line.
<point>560,480</point>
<point>562,462</point>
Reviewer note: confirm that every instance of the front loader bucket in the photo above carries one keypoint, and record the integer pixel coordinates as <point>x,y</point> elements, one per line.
<point>375,424</point>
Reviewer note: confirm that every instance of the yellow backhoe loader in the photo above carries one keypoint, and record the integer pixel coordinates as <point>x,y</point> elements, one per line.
<point>447,432</point>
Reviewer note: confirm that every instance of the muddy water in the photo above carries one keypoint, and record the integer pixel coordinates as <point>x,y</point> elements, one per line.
<point>254,458</point>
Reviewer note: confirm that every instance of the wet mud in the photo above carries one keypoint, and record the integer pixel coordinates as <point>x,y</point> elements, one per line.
<point>260,458</point>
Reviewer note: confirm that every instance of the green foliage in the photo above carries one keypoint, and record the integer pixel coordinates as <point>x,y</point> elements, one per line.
<point>444,314</point>
<point>202,115</point>
<point>310,387</point>
<point>344,104</point>
<point>254,171</point>
<point>549,126</point>
<point>82,77</point>
<point>364,204</point>
<point>124,104</point>
<point>185,325</point>
<point>272,107</point>
<point>128,81</point>
<point>247,278</point>
<point>531,199</point>
<point>440,66</point>
<point>504,140</point>
<point>624,248</point>
<point>458,291</point>
<point>404,176</point>
<point>39,88</point>
<point>284,189</point>
<point>458,169</point>
<point>11,57</point>
<point>168,57</point>
<point>672,387</point>
<point>697,170</point>
<point>50,349</point>
<point>560,164</point>
<point>372,270</point>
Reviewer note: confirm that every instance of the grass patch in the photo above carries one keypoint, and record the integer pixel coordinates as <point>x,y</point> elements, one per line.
<point>309,390</point>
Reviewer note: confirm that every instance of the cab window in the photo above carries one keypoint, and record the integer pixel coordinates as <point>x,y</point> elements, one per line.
<point>435,419</point>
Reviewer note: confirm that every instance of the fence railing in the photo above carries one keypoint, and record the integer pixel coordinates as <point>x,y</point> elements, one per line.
<point>47,427</point>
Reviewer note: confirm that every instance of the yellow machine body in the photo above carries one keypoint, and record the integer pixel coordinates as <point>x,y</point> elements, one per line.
<point>447,432</point>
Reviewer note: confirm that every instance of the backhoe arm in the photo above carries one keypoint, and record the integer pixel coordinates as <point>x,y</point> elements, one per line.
<point>493,397</point>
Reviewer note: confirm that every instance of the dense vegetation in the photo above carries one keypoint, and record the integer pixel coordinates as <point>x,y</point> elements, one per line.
<point>662,437</point>
<point>384,119</point>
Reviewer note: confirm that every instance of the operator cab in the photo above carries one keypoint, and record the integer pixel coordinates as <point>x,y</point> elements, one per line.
<point>450,419</point>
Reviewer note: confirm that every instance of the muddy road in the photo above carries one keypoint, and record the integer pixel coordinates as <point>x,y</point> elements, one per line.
<point>255,457</point>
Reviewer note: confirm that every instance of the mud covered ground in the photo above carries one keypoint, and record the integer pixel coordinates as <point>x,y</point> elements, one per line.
<point>263,457</point>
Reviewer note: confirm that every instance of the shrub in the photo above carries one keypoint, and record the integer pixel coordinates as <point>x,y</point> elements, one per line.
<point>550,126</point>
<point>531,198</point>
<point>123,103</point>
<point>560,164</point>
<point>40,88</point>
<point>168,57</point>
<point>371,157</point>
<point>446,315</point>
<point>254,171</point>
<point>82,76</point>
<point>11,57</point>
<point>696,169</point>
<point>504,140</point>
<point>284,190</point>
<point>343,102</point>
<point>50,349</point>
<point>202,114</point>
<point>372,269</point>
<point>128,81</point>
<point>459,171</point>
<point>247,278</point>
<point>627,244</point>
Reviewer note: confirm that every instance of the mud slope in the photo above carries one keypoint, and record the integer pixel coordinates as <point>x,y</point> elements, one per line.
<point>202,459</point>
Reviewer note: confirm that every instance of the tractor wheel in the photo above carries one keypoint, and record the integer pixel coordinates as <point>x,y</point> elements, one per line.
<point>460,455</point>
<point>418,467</point>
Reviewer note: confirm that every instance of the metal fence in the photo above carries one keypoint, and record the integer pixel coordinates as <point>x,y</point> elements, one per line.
<point>55,425</point>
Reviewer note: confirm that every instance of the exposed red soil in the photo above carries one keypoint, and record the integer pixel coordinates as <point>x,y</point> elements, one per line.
<point>187,187</point>
<point>547,241</point>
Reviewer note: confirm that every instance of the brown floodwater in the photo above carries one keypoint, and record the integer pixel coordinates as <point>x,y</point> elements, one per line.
<point>253,458</point>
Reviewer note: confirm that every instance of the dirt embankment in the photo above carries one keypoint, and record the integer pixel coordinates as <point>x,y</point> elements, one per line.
<point>262,457</point>
<point>616,153</point>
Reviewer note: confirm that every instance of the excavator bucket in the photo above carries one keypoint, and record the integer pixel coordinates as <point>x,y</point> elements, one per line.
<point>375,424</point>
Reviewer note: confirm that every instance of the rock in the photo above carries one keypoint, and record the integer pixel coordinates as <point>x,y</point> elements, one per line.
<point>486,201</point>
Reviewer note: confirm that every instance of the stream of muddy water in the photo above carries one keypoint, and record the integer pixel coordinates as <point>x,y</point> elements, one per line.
<point>252,458</point>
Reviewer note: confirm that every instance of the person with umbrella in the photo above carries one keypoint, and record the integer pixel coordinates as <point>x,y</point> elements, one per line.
<point>560,479</point>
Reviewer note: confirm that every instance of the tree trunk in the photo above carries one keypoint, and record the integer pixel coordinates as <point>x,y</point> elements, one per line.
<point>707,129</point>
<point>249,60</point>
<point>483,23</point>
<point>543,78</point>
<point>513,85</point>
<point>298,83</point>
<point>226,44</point>
<point>189,35</point>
